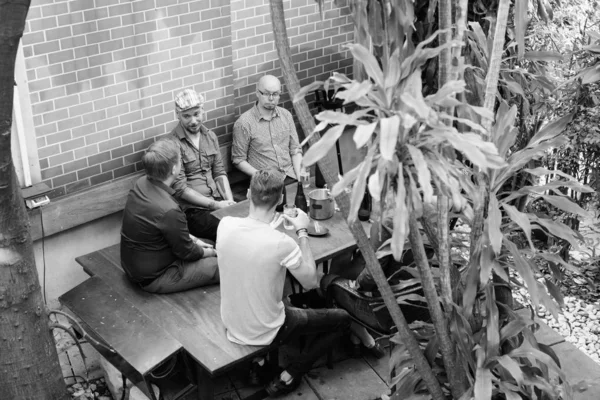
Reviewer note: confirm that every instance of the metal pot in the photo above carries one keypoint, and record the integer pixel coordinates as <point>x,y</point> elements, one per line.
<point>321,204</point>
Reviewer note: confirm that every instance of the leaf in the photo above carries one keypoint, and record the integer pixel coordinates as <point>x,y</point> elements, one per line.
<point>481,153</point>
<point>422,172</point>
<point>541,171</point>
<point>558,229</point>
<point>346,180</point>
<point>513,328</point>
<point>543,56</point>
<point>322,147</point>
<point>553,128</point>
<point>368,60</point>
<point>358,191</point>
<point>448,90</point>
<point>548,302</point>
<point>494,221</point>
<point>390,128</point>
<point>512,367</point>
<point>393,70</point>
<point>306,89</point>
<point>363,133</point>
<point>524,269</point>
<point>400,230</point>
<point>354,91</point>
<point>335,118</point>
<point>565,205</point>
<point>483,384</point>
<point>514,87</point>
<point>374,186</point>
<point>492,323</point>
<point>521,219</point>
<point>555,292</point>
<point>480,38</point>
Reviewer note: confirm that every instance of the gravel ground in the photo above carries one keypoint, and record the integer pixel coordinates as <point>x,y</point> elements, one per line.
<point>579,322</point>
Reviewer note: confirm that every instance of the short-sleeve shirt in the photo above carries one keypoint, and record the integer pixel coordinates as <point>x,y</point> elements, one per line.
<point>266,143</point>
<point>253,259</point>
<point>200,166</point>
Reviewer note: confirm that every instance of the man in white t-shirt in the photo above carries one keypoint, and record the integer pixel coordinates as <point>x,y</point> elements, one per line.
<point>253,260</point>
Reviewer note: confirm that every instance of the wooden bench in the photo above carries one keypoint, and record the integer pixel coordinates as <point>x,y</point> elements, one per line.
<point>191,320</point>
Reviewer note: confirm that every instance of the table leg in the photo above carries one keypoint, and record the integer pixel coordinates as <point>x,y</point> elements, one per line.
<point>206,389</point>
<point>326,267</point>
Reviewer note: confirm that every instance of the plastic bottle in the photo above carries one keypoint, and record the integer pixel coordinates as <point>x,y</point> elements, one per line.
<point>300,200</point>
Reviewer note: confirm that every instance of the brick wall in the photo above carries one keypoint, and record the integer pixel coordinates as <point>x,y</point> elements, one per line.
<point>316,45</point>
<point>102,74</point>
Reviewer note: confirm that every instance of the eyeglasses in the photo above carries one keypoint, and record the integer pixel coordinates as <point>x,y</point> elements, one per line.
<point>269,95</point>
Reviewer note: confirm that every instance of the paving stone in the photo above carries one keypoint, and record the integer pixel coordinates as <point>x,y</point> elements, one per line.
<point>352,379</point>
<point>577,367</point>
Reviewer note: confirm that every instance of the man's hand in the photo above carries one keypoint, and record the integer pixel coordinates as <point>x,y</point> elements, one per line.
<point>223,204</point>
<point>209,252</point>
<point>301,221</point>
<point>201,243</point>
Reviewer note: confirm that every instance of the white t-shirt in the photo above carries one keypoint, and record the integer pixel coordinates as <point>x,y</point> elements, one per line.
<point>253,258</point>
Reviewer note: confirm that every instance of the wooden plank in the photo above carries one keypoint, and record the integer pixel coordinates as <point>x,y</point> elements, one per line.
<point>192,317</point>
<point>119,324</point>
<point>348,380</point>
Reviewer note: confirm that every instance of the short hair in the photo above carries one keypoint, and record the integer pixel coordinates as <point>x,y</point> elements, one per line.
<point>266,187</point>
<point>160,158</point>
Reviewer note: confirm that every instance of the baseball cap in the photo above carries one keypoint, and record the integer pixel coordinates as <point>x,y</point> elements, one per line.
<point>187,99</point>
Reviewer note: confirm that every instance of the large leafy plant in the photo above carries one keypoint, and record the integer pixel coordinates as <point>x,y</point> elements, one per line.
<point>422,150</point>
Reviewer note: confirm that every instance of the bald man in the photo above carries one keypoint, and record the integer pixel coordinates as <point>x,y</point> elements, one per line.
<point>265,136</point>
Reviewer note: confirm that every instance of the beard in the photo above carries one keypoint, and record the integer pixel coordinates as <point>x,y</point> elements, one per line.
<point>193,130</point>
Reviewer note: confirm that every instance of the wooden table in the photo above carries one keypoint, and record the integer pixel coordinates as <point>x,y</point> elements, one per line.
<point>339,239</point>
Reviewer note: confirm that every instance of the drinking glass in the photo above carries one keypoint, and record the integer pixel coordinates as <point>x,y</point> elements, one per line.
<point>291,211</point>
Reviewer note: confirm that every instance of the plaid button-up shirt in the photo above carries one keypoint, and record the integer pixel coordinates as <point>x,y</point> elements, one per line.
<point>266,143</point>
<point>199,166</point>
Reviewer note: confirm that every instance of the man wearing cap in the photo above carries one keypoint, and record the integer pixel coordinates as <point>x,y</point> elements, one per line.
<point>202,185</point>
<point>265,136</point>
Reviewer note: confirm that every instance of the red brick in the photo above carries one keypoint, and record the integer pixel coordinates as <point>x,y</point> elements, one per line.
<point>102,81</point>
<point>126,170</point>
<point>46,47</point>
<point>222,42</point>
<point>115,89</point>
<point>111,45</point>
<point>133,158</point>
<point>52,172</point>
<point>120,9</point>
<point>109,122</point>
<point>168,116</point>
<point>143,145</point>
<point>177,9</point>
<point>75,65</point>
<point>58,137</point>
<point>28,51</point>
<point>109,144</point>
<point>52,93</point>
<point>64,179</point>
<point>98,158</point>
<point>112,164</point>
<point>96,137</point>
<point>35,62</point>
<point>34,12</point>
<point>169,44</point>
<point>44,107</point>
<point>70,123</point>
<point>75,165</point>
<point>86,151</point>
<point>45,130</point>
<point>89,171</point>
<point>113,68</point>
<point>143,5</point>
<point>72,144</point>
<point>78,87</point>
<point>87,51</point>
<point>94,117</point>
<point>55,116</point>
<point>73,43</point>
<point>70,19</point>
<point>123,32</point>
<point>42,24</point>
<point>83,131</point>
<point>91,95</point>
<point>61,158</point>
<point>211,34</point>
<point>51,70</point>
<point>97,37</point>
<point>32,38</point>
<point>64,79</point>
<point>130,117</point>
<point>44,163</point>
<point>96,13</point>
<point>105,102</point>
<point>98,179</point>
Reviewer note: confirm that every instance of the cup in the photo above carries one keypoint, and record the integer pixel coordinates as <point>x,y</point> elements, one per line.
<point>305,178</point>
<point>291,211</point>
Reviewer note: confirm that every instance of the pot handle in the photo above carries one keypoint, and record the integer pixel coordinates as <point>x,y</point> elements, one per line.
<point>317,206</point>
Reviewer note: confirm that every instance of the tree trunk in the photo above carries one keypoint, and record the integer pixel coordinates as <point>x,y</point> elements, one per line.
<point>372,264</point>
<point>29,367</point>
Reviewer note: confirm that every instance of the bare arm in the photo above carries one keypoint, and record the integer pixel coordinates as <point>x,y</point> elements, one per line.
<point>246,168</point>
<point>297,163</point>
<point>306,273</point>
<point>224,187</point>
<point>195,198</point>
